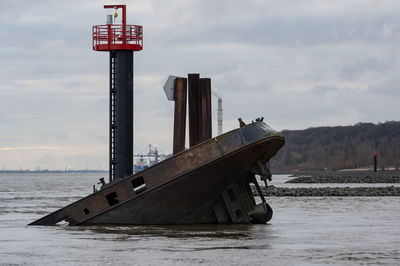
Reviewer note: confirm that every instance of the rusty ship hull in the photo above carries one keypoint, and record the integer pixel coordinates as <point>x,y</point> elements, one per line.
<point>208,183</point>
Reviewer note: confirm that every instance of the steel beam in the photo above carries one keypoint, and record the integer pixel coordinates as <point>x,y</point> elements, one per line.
<point>180,115</point>
<point>194,103</point>
<point>205,109</point>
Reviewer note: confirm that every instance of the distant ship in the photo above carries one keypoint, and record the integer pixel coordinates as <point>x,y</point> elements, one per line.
<point>144,161</point>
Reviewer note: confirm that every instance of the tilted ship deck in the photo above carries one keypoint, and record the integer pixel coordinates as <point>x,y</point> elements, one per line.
<point>208,183</point>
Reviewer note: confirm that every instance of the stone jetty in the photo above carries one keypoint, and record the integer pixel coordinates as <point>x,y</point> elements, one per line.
<point>272,191</point>
<point>347,177</point>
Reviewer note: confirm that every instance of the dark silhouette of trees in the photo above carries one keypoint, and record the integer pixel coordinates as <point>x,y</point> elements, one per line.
<point>340,147</point>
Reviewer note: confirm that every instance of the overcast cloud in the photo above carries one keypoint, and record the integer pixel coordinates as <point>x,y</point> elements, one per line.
<point>298,63</point>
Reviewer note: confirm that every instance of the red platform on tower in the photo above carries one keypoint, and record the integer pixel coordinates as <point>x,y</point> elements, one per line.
<point>117,36</point>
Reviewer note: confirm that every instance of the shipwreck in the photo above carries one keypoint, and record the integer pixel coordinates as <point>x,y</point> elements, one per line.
<point>210,182</point>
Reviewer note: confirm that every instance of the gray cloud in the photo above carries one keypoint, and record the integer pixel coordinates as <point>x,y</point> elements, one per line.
<point>297,63</point>
<point>387,88</point>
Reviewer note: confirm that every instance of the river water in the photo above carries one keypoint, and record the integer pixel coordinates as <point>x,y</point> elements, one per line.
<point>303,231</point>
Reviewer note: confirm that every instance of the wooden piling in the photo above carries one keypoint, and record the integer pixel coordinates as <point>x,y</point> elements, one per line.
<point>180,115</point>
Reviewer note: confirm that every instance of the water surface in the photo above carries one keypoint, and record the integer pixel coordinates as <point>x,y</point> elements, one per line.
<point>303,231</point>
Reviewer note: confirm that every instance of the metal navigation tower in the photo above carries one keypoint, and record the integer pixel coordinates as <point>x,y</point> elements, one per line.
<point>121,40</point>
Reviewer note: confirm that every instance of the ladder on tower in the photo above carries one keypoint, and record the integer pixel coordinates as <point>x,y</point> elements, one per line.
<point>113,117</point>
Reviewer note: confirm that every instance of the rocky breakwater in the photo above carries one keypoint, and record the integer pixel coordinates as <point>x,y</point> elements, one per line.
<point>338,177</point>
<point>347,177</point>
<point>272,191</point>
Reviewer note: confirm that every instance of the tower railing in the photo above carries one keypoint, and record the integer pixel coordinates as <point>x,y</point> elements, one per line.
<point>115,37</point>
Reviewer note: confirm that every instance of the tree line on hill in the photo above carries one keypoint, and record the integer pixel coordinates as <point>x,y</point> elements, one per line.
<point>341,147</point>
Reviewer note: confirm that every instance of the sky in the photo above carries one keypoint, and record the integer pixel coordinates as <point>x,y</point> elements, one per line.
<point>297,63</point>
